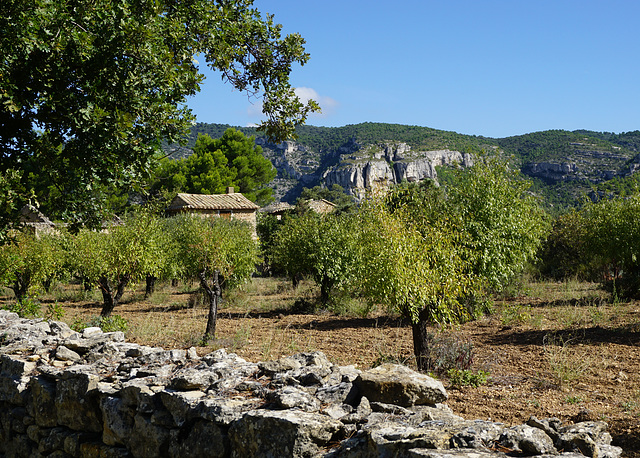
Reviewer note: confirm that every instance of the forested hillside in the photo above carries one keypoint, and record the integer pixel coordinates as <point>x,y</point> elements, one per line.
<point>564,166</point>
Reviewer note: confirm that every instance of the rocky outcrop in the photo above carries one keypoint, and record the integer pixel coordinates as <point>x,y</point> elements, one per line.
<point>551,170</point>
<point>376,167</point>
<point>69,394</point>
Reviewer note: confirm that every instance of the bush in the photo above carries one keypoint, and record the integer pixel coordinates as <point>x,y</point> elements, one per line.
<point>110,323</point>
<point>27,308</point>
<point>447,352</point>
<point>459,377</point>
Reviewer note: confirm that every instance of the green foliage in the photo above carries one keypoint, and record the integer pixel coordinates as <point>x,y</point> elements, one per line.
<point>322,247</point>
<point>110,323</point>
<point>30,261</point>
<point>613,242</point>
<point>563,254</point>
<point>267,226</point>
<point>552,144</point>
<point>123,254</point>
<point>466,377</point>
<point>11,201</point>
<point>494,225</point>
<point>231,160</point>
<point>54,312</point>
<point>600,242</point>
<point>89,91</point>
<point>210,244</point>
<point>26,308</point>
<point>502,225</point>
<point>416,271</point>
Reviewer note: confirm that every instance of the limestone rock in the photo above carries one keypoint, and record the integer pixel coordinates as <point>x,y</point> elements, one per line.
<point>264,433</point>
<point>65,354</point>
<point>396,384</point>
<point>76,402</point>
<point>527,439</point>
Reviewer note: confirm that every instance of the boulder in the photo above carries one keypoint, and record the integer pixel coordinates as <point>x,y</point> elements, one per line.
<point>396,384</point>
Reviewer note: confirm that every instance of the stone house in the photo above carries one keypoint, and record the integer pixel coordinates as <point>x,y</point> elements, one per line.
<point>32,219</point>
<point>321,206</point>
<point>232,205</point>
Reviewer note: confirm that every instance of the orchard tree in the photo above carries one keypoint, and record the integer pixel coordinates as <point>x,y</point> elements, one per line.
<point>433,253</point>
<point>564,253</point>
<point>30,261</point>
<point>417,271</point>
<point>501,224</point>
<point>117,257</point>
<point>90,90</point>
<point>323,247</point>
<point>612,242</point>
<point>216,252</point>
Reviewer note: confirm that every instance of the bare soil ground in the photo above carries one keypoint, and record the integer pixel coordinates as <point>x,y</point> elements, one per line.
<point>563,350</point>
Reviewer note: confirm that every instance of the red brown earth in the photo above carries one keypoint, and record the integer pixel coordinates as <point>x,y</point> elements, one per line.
<point>562,351</point>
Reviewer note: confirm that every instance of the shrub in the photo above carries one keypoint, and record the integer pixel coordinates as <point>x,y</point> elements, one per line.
<point>110,323</point>
<point>459,377</point>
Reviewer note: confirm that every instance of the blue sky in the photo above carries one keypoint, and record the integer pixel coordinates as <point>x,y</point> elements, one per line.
<point>481,67</point>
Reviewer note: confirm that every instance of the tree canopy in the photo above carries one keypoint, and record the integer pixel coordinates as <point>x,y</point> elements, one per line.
<point>91,89</point>
<point>231,160</point>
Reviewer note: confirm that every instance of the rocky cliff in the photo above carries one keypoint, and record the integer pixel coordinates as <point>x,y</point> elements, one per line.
<point>90,394</point>
<point>359,169</point>
<point>582,164</point>
<point>379,166</point>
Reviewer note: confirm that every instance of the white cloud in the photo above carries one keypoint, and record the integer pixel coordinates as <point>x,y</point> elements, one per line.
<point>327,104</point>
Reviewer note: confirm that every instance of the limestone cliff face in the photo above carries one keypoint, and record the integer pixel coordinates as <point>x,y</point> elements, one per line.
<point>359,169</point>
<point>377,167</point>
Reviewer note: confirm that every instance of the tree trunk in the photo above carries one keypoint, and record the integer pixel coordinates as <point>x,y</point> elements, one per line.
<point>325,287</point>
<point>110,297</point>
<point>422,341</point>
<point>151,286</point>
<point>21,287</point>
<point>213,292</point>
<point>46,283</point>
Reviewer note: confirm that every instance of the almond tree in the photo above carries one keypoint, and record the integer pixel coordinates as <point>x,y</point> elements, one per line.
<point>433,254</point>
<point>91,89</point>
<point>419,273</point>
<point>114,258</point>
<point>217,253</point>
<point>30,261</point>
<point>322,247</point>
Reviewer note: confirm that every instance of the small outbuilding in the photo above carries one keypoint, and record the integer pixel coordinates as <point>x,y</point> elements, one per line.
<point>232,205</point>
<point>277,209</point>
<point>321,206</point>
<point>35,221</point>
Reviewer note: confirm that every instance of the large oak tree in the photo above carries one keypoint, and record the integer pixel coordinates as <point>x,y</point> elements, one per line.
<point>89,89</point>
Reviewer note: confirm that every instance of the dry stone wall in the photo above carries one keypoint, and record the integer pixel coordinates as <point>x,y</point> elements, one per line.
<point>90,394</point>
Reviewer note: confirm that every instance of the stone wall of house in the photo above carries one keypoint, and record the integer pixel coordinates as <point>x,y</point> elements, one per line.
<point>92,394</point>
<point>248,216</point>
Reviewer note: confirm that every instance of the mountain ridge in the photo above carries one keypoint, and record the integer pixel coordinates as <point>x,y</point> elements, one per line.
<point>563,165</point>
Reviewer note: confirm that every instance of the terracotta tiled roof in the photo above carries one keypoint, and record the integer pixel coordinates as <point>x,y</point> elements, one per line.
<point>233,201</point>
